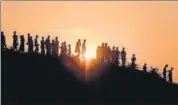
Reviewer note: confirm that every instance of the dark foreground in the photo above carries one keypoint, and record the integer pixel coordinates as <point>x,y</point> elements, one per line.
<point>37,79</point>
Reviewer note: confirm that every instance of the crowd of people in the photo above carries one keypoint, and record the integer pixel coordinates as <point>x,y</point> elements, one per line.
<point>104,53</point>
<point>47,46</point>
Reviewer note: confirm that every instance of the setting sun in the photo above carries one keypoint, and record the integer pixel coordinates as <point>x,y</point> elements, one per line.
<point>88,56</point>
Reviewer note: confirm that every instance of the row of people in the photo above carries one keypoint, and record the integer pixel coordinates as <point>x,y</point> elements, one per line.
<point>103,53</point>
<point>47,47</point>
<point>165,73</point>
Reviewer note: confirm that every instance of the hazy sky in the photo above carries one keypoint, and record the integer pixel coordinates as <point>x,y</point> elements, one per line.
<point>149,29</point>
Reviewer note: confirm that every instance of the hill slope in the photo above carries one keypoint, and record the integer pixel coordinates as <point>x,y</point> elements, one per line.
<point>33,78</point>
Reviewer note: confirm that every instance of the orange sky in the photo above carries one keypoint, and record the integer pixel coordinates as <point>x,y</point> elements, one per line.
<point>149,29</point>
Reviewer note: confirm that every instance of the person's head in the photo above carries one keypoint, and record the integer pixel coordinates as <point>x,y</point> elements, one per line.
<point>113,48</point>
<point>36,36</point>
<point>28,34</point>
<point>69,45</point>
<point>117,48</point>
<point>2,33</point>
<point>22,36</point>
<point>102,45</point>
<point>172,68</point>
<point>42,38</point>
<point>56,38</point>
<point>14,32</point>
<point>145,64</point>
<point>166,65</point>
<point>133,55</point>
<point>48,37</point>
<point>53,41</point>
<point>123,49</point>
<point>84,40</point>
<point>31,37</point>
<point>79,40</point>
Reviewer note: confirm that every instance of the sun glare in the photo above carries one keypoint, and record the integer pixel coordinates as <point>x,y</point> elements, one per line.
<point>88,56</point>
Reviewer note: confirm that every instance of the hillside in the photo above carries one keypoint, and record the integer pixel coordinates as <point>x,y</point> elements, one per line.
<point>36,79</point>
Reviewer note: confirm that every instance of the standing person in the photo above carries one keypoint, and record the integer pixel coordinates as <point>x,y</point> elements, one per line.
<point>3,40</point>
<point>22,43</point>
<point>164,71</point>
<point>102,53</point>
<point>15,40</point>
<point>123,56</point>
<point>57,46</point>
<point>53,46</point>
<point>108,54</point>
<point>105,51</point>
<point>28,41</point>
<point>133,59</point>
<point>62,49</point>
<point>97,53</point>
<point>117,55</point>
<point>170,75</point>
<point>145,67</point>
<point>31,45</point>
<point>48,45</point>
<point>69,50</point>
<point>113,54</point>
<point>77,48</point>
<point>65,48</point>
<point>84,48</point>
<point>36,44</point>
<point>42,46</point>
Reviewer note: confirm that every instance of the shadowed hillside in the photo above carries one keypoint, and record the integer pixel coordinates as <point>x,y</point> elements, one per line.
<point>36,79</point>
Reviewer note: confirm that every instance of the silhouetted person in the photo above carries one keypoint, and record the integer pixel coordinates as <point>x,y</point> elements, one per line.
<point>62,49</point>
<point>3,40</point>
<point>83,48</point>
<point>42,46</point>
<point>145,67</point>
<point>99,54</point>
<point>77,48</point>
<point>48,46</point>
<point>117,55</point>
<point>57,46</point>
<point>36,44</point>
<point>133,59</point>
<point>65,48</point>
<point>102,54</point>
<point>53,46</point>
<point>123,56</point>
<point>108,54</point>
<point>15,40</point>
<point>28,41</point>
<point>113,55</point>
<point>154,71</point>
<point>164,71</point>
<point>170,75</point>
<point>22,43</point>
<point>105,50</point>
<point>31,45</point>
<point>69,50</point>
